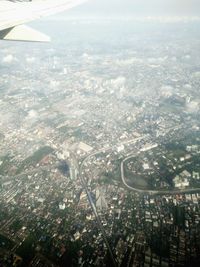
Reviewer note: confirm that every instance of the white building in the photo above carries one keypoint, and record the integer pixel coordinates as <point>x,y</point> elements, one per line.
<point>101,202</point>
<point>182,180</point>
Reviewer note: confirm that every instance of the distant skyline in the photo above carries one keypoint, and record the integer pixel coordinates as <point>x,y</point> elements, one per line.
<point>137,8</point>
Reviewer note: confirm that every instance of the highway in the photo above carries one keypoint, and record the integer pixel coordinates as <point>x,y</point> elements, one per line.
<point>153,192</point>
<point>85,187</point>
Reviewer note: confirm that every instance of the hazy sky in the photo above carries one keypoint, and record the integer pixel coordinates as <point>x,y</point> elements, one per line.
<point>138,8</point>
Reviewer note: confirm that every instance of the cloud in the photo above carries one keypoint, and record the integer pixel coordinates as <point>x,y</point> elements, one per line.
<point>30,59</point>
<point>192,107</point>
<point>118,82</point>
<point>32,114</point>
<point>8,59</point>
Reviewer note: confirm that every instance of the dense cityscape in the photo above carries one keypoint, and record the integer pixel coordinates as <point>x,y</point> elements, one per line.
<point>100,145</point>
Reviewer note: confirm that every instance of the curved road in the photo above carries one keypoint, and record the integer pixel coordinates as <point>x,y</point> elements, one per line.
<point>153,192</point>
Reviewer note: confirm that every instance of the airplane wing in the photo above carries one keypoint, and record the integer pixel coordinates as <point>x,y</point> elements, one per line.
<point>13,15</point>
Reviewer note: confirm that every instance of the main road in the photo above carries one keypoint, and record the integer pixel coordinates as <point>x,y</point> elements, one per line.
<point>93,207</point>
<point>84,184</point>
<point>152,192</point>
